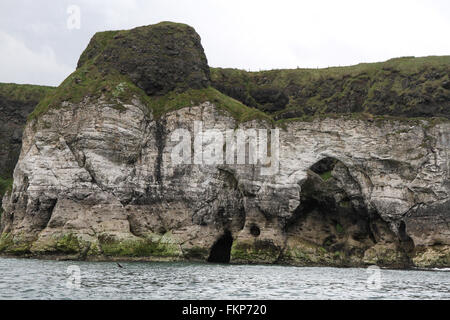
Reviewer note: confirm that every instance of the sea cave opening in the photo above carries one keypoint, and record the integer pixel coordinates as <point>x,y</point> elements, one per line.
<point>333,214</point>
<point>221,249</point>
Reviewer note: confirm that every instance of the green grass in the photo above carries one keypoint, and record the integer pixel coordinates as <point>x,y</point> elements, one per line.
<point>88,82</point>
<point>326,175</point>
<point>96,78</point>
<point>24,92</point>
<point>284,77</point>
<point>403,87</point>
<point>406,87</point>
<point>138,248</point>
<point>117,90</point>
<point>193,97</point>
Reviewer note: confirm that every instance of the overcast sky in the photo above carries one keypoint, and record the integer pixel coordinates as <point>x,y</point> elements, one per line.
<point>39,45</point>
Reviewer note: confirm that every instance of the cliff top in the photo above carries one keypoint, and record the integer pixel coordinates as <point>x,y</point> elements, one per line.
<point>23,92</point>
<point>157,63</point>
<point>402,87</point>
<point>163,65</point>
<point>157,58</point>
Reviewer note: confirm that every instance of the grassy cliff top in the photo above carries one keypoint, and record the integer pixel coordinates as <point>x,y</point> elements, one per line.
<point>117,89</point>
<point>157,58</point>
<point>158,62</point>
<point>162,65</point>
<point>23,92</point>
<point>402,87</point>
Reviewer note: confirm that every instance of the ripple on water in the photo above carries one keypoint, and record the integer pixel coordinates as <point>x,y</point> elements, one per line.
<point>39,279</point>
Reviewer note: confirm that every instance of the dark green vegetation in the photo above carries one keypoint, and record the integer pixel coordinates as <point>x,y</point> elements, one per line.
<point>16,102</point>
<point>5,185</point>
<point>22,93</point>
<point>163,65</point>
<point>158,58</point>
<point>193,97</point>
<point>402,87</point>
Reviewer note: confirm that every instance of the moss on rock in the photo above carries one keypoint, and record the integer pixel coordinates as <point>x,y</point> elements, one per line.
<point>14,245</point>
<point>437,256</point>
<point>257,251</point>
<point>60,244</point>
<point>68,243</point>
<point>149,247</point>
<point>304,253</point>
<point>387,255</point>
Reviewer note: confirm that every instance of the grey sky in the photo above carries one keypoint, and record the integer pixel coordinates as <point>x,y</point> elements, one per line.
<point>37,47</point>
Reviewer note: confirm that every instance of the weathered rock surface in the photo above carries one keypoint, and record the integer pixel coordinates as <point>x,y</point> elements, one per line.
<point>95,181</point>
<point>105,177</point>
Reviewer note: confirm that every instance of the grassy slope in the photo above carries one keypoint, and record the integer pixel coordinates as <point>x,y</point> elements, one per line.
<point>94,79</point>
<point>117,90</point>
<point>24,93</point>
<point>401,87</point>
<point>405,87</point>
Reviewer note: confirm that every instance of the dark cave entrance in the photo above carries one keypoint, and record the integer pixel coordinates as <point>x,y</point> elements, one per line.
<point>333,214</point>
<point>221,249</point>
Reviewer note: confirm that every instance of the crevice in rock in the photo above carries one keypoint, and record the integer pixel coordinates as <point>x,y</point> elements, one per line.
<point>93,178</point>
<point>221,250</point>
<point>80,158</point>
<point>160,140</point>
<point>406,241</point>
<point>41,212</point>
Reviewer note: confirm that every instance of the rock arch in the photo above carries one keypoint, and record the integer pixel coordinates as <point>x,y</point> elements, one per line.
<point>334,216</point>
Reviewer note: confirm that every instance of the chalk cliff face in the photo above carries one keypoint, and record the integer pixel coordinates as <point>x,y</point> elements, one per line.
<point>96,179</point>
